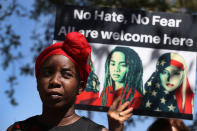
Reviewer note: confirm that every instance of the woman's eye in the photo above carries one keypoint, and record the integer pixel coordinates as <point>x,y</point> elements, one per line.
<point>177,73</point>
<point>123,64</point>
<point>47,72</point>
<point>66,74</point>
<point>164,72</point>
<point>112,63</point>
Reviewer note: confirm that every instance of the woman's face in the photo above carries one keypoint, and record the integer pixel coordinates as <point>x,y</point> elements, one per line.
<point>118,67</point>
<point>171,78</point>
<point>58,81</point>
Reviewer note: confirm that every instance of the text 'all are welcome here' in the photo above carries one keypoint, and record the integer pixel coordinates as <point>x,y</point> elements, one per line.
<point>122,35</point>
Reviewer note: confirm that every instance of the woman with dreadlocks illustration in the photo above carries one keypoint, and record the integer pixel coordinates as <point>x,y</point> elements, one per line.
<point>168,88</point>
<point>123,77</point>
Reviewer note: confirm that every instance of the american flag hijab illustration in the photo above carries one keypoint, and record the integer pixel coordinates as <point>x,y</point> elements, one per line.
<point>168,88</point>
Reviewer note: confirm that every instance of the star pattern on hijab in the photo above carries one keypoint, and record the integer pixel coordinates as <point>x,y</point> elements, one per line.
<point>149,83</point>
<point>166,92</point>
<point>157,85</point>
<point>171,108</point>
<point>159,99</point>
<point>154,93</point>
<point>163,100</point>
<point>148,104</point>
<point>158,109</point>
<point>163,62</point>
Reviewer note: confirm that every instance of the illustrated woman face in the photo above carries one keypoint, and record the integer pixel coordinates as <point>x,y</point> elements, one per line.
<point>118,67</point>
<point>171,78</point>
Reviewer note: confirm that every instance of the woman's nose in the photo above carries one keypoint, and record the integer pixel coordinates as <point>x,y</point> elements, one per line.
<point>117,68</point>
<point>168,76</point>
<point>55,81</point>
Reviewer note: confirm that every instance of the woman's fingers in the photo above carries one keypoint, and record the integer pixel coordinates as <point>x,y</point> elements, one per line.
<point>124,118</point>
<point>126,112</point>
<point>123,106</point>
<point>115,103</point>
<point>118,114</point>
<point>125,115</point>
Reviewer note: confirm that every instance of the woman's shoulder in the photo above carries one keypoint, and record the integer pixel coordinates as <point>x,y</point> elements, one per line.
<point>19,125</point>
<point>83,124</point>
<point>91,124</point>
<point>10,128</point>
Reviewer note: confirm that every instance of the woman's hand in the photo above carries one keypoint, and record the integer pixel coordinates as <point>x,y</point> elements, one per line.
<point>117,115</point>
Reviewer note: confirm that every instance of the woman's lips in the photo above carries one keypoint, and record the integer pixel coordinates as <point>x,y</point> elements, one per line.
<point>116,75</point>
<point>55,95</point>
<point>169,85</point>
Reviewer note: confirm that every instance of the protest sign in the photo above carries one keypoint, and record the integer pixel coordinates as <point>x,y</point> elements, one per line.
<point>146,58</point>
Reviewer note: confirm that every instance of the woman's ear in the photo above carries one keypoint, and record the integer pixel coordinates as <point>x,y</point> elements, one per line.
<point>81,86</point>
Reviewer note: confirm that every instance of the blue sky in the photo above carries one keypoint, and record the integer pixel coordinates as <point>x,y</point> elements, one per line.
<point>26,93</point>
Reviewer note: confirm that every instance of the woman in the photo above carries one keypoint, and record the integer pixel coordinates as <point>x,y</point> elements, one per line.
<point>62,71</point>
<point>123,77</point>
<point>168,89</point>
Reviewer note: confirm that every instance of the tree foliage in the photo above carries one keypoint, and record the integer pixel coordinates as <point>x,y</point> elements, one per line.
<point>9,41</point>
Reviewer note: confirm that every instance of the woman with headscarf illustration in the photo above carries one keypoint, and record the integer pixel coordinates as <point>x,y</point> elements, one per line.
<point>90,95</point>
<point>168,88</point>
<point>123,77</point>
